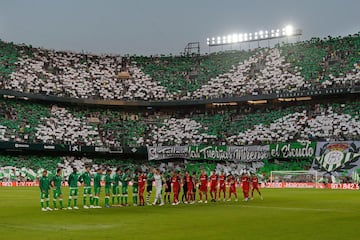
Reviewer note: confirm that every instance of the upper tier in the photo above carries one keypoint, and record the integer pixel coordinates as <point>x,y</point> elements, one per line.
<point>332,62</point>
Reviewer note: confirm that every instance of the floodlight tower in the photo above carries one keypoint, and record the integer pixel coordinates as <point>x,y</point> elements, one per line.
<point>261,35</point>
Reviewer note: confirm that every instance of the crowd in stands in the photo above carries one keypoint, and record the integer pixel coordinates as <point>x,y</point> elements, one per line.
<point>313,64</point>
<point>24,121</point>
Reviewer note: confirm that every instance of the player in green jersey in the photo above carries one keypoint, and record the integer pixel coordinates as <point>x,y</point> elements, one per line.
<point>135,188</point>
<point>124,187</point>
<point>56,182</point>
<point>74,189</point>
<point>149,185</point>
<point>97,187</point>
<point>108,182</point>
<point>85,178</point>
<point>44,184</point>
<point>116,188</point>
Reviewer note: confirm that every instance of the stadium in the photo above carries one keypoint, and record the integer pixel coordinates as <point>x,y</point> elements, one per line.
<point>172,146</point>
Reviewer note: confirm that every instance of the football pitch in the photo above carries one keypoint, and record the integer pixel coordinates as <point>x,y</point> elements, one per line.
<point>283,214</point>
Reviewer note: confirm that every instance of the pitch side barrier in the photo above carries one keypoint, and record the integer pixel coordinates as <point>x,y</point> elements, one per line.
<point>344,186</point>
<point>69,149</point>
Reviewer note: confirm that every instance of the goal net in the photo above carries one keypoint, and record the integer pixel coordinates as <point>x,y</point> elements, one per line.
<point>294,179</point>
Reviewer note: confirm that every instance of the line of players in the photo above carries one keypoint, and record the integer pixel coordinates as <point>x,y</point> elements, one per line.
<point>140,182</point>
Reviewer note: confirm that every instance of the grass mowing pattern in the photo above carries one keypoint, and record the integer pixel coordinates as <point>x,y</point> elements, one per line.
<point>284,214</point>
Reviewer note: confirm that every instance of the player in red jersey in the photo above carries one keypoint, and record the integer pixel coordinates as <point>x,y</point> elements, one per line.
<point>222,185</point>
<point>203,186</point>
<point>213,186</point>
<point>141,184</point>
<point>232,188</point>
<point>189,184</point>
<point>255,186</point>
<point>245,182</point>
<point>175,180</point>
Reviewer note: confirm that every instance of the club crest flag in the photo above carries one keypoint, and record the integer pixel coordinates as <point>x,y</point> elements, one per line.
<point>333,155</point>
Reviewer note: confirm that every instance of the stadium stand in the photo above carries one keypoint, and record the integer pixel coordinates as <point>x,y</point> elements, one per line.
<point>51,124</point>
<point>319,122</point>
<point>313,64</point>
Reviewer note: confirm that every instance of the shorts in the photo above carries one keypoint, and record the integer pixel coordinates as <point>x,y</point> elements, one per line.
<point>115,190</point>
<point>44,195</point>
<point>222,188</point>
<point>56,193</point>
<point>97,190</point>
<point>141,190</point>
<point>124,190</point>
<point>87,190</point>
<point>149,188</point>
<point>203,188</point>
<point>233,189</point>
<point>213,189</point>
<point>135,189</point>
<point>107,190</point>
<point>168,189</point>
<point>74,191</point>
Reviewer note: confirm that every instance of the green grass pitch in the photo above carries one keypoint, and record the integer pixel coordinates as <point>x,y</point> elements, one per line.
<point>283,214</point>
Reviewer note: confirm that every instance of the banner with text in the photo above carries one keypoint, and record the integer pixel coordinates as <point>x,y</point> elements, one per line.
<point>210,153</point>
<point>167,152</point>
<point>294,150</point>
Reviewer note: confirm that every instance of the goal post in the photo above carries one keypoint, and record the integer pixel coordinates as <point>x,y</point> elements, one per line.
<point>295,179</point>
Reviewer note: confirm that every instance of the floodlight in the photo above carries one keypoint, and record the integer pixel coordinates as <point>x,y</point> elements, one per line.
<point>229,39</point>
<point>289,30</point>
<point>254,36</point>
<point>234,38</point>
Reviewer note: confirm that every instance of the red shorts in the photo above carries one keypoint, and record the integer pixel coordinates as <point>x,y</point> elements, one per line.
<point>222,187</point>
<point>232,189</point>
<point>141,189</point>
<point>246,189</point>
<point>203,188</point>
<point>256,187</point>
